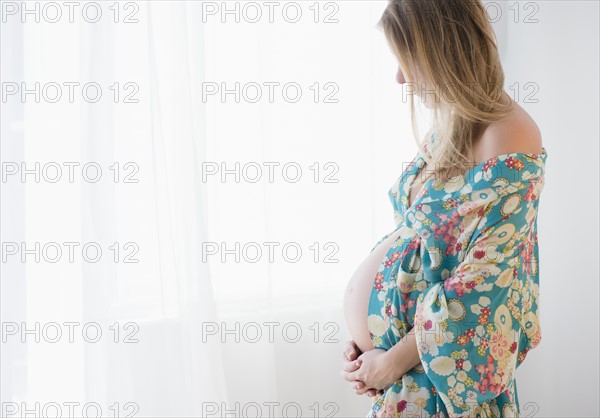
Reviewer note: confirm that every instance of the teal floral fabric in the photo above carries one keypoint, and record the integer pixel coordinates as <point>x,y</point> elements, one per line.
<point>463,272</point>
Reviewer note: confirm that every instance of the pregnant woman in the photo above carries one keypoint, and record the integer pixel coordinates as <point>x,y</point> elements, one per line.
<point>445,307</point>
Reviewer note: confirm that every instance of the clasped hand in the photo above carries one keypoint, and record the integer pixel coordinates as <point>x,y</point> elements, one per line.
<point>371,372</point>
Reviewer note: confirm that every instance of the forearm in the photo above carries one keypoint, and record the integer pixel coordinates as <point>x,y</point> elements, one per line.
<point>403,356</point>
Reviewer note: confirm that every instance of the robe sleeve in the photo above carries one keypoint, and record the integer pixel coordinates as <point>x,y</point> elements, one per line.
<point>477,321</point>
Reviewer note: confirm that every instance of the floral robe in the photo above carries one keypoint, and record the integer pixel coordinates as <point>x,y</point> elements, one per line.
<point>464,272</point>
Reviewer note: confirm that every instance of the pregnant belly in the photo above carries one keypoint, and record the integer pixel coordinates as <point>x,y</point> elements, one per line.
<point>358,294</point>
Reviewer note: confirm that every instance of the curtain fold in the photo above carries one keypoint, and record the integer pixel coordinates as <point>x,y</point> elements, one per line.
<point>150,293</point>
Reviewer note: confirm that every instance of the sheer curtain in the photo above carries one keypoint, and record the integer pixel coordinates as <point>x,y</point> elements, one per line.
<point>140,201</point>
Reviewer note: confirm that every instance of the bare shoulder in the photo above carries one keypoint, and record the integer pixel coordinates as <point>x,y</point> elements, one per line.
<point>518,132</point>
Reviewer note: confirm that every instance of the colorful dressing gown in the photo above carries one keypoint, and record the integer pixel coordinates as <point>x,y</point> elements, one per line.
<point>464,272</point>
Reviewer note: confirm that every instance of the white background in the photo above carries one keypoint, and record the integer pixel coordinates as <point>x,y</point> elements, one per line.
<point>175,50</point>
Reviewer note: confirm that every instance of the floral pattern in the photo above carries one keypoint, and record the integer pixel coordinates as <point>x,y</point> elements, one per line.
<point>463,271</point>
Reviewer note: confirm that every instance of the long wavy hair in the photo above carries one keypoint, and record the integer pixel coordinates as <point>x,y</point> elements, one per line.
<point>450,46</point>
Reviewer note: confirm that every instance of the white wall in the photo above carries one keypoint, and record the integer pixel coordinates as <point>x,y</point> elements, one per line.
<point>560,55</point>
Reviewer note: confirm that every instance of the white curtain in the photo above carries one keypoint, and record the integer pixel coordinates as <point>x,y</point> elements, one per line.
<point>149,293</point>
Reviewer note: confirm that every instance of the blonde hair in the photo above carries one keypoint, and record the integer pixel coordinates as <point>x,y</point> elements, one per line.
<point>451,46</point>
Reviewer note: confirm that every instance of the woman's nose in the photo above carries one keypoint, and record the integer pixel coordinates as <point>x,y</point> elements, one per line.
<point>400,77</point>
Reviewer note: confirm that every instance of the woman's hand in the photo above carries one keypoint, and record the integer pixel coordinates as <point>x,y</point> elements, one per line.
<point>351,352</point>
<point>376,371</point>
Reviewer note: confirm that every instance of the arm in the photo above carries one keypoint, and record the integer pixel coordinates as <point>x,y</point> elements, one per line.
<point>472,326</point>
<point>379,369</point>
<point>404,355</point>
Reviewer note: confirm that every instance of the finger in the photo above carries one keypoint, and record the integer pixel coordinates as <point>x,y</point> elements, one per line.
<point>357,384</point>
<point>371,392</point>
<point>355,375</point>
<point>344,375</point>
<point>351,366</point>
<point>350,351</point>
<point>347,376</point>
<point>360,388</point>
